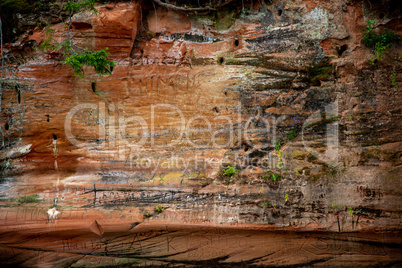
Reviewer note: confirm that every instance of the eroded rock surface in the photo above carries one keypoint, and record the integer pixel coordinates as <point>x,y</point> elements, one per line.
<point>284,91</point>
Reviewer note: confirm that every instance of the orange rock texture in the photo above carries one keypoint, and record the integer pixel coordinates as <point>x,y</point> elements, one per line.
<point>283,93</point>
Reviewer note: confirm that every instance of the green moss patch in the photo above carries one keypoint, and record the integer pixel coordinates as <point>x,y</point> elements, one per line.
<point>33,198</point>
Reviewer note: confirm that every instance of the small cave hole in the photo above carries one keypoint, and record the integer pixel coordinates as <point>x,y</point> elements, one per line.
<point>54,136</point>
<point>83,26</point>
<point>216,110</point>
<point>226,94</point>
<point>111,69</point>
<point>342,49</point>
<point>381,16</point>
<point>280,12</point>
<point>6,126</point>
<point>221,60</point>
<point>47,118</point>
<point>93,86</point>
<point>246,147</point>
<point>236,42</point>
<point>254,162</point>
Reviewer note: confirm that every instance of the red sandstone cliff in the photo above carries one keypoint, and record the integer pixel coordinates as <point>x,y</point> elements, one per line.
<point>286,87</point>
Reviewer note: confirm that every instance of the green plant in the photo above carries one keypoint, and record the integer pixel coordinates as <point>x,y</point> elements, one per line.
<point>297,172</point>
<point>230,171</point>
<point>266,204</point>
<point>273,176</point>
<point>292,134</point>
<point>48,41</point>
<point>276,177</point>
<point>76,7</point>
<point>337,208</point>
<point>74,56</point>
<point>98,60</point>
<point>26,199</point>
<point>279,154</point>
<point>379,41</point>
<point>66,46</point>
<point>277,146</point>
<point>159,208</point>
<point>268,174</point>
<point>286,197</point>
<point>370,37</point>
<point>351,212</point>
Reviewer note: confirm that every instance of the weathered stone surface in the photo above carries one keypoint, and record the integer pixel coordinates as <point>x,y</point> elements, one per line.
<point>285,92</point>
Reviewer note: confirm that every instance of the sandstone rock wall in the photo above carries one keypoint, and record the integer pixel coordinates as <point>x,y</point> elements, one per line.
<point>285,87</point>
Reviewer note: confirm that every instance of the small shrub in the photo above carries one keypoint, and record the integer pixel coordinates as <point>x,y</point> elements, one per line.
<point>273,176</point>
<point>379,41</point>
<point>159,208</point>
<point>98,59</point>
<point>230,171</point>
<point>276,177</point>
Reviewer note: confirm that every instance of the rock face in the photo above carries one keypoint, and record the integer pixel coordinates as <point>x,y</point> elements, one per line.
<point>283,91</point>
